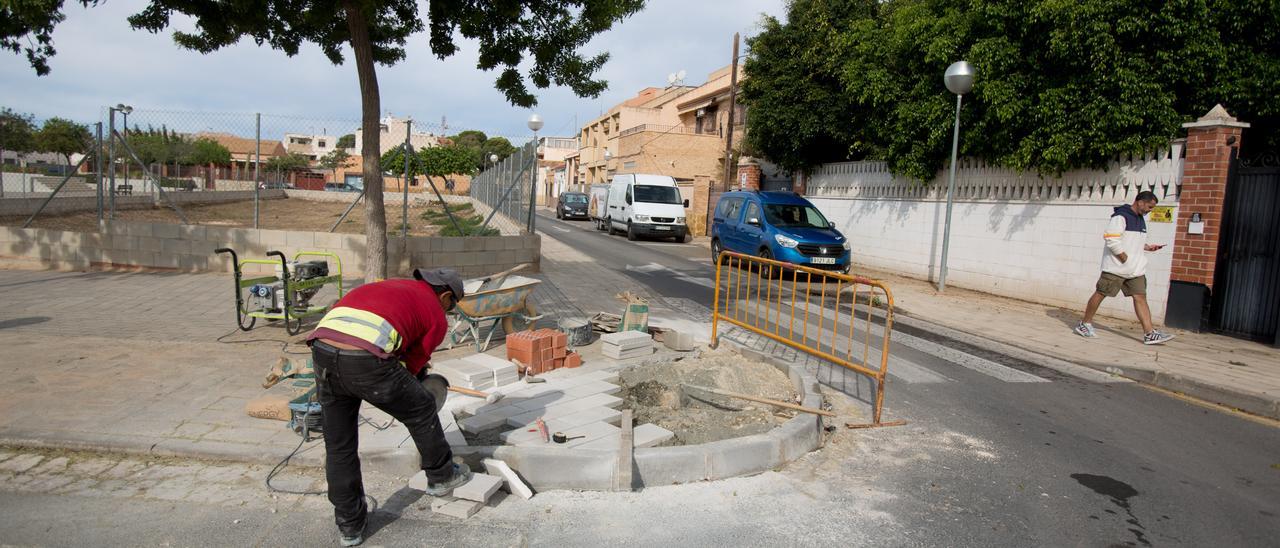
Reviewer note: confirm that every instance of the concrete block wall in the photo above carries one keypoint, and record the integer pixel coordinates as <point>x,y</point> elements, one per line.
<point>1012,234</point>
<point>190,248</point>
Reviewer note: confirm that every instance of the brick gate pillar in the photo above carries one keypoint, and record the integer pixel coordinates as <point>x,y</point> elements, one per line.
<point>1210,141</point>
<point>748,174</point>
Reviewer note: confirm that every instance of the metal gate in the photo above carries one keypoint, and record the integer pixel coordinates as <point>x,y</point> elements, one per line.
<point>1246,300</point>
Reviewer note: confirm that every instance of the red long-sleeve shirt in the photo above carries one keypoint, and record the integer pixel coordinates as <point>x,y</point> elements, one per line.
<point>410,306</point>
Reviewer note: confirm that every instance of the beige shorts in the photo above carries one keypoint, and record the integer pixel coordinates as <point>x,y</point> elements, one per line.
<point>1109,284</point>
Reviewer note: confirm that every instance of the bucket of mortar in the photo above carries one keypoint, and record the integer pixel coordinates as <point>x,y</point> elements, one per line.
<point>578,330</point>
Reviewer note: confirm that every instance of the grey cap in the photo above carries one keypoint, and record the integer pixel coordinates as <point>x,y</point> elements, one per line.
<point>442,276</point>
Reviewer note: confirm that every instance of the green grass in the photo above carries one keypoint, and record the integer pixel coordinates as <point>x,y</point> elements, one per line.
<point>468,221</point>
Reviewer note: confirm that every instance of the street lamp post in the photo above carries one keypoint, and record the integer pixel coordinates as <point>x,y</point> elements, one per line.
<point>111,155</point>
<point>535,124</point>
<point>959,80</point>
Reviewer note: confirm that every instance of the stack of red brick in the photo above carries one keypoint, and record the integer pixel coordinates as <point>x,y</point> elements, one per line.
<point>541,351</point>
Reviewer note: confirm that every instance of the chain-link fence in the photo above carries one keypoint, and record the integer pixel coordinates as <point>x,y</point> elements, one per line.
<point>265,171</point>
<point>504,190</point>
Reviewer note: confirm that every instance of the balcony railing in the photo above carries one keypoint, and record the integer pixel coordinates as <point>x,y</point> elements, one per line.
<point>642,128</point>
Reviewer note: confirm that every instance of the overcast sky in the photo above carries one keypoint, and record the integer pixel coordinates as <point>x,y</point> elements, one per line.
<point>102,61</point>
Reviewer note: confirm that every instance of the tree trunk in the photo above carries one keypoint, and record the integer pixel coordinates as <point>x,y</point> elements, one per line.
<point>370,105</point>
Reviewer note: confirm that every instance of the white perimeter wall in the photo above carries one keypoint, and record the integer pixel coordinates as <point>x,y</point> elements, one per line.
<point>1012,234</point>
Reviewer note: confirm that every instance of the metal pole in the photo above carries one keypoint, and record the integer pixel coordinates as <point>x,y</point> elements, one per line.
<point>97,169</point>
<point>533,182</point>
<point>951,189</point>
<point>111,159</point>
<point>404,183</point>
<point>124,137</point>
<point>257,162</point>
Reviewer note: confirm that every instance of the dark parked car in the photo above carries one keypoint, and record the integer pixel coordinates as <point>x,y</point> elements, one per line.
<point>572,205</point>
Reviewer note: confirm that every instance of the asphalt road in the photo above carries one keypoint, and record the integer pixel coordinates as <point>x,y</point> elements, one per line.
<point>1018,453</point>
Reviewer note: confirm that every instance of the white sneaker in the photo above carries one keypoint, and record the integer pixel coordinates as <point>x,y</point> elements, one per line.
<point>1156,337</point>
<point>1085,330</point>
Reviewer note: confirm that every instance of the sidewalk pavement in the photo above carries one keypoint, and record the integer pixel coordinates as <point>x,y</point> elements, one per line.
<point>132,362</point>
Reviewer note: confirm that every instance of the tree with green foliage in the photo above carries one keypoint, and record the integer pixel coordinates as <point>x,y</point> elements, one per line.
<point>347,141</point>
<point>289,162</point>
<point>17,132</point>
<point>335,159</point>
<point>62,136</point>
<point>445,161</point>
<point>548,33</point>
<point>470,138</point>
<point>1061,85</point>
<point>206,151</point>
<point>496,146</point>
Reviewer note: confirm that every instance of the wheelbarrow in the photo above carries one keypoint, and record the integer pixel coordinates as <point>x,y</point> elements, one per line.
<point>500,299</point>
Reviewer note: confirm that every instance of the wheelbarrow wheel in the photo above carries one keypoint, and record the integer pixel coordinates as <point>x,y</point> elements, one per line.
<point>513,323</point>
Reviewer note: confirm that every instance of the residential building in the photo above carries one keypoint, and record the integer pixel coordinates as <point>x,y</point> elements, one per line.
<point>598,139</point>
<point>245,152</point>
<point>313,147</point>
<point>552,153</point>
<point>681,132</point>
<point>393,132</point>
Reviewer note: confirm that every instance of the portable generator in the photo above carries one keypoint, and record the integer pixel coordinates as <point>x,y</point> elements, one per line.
<point>286,295</point>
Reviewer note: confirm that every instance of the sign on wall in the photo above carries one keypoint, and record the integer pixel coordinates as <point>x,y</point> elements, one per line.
<point>1162,214</point>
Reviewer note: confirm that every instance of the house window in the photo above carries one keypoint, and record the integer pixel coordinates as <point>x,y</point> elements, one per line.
<point>706,123</point>
<point>321,144</point>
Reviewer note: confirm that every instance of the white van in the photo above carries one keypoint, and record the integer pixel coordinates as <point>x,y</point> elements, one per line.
<point>646,205</point>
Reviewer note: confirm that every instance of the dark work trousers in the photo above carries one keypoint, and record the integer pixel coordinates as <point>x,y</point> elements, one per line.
<point>347,377</point>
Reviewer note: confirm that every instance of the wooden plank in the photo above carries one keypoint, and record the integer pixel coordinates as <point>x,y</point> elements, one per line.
<point>622,477</point>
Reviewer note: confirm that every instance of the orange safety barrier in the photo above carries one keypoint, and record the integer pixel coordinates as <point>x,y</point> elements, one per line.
<point>800,307</point>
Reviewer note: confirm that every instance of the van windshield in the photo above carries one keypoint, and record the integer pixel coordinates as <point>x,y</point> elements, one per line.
<point>575,198</point>
<point>657,194</point>
<point>794,216</point>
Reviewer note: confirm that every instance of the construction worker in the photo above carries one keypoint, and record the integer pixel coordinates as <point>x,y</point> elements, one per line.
<point>374,346</point>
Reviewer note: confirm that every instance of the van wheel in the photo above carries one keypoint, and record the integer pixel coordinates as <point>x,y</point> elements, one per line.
<point>608,223</point>
<point>767,270</point>
<point>631,232</point>
<point>716,249</point>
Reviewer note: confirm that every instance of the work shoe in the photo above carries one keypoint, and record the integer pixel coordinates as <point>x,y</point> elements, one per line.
<point>461,475</point>
<point>1085,330</point>
<point>1156,337</point>
<point>357,538</point>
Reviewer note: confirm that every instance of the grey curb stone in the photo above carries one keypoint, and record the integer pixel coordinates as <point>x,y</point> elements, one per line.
<point>560,468</point>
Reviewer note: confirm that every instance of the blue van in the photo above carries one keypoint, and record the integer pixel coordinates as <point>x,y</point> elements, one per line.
<point>778,225</point>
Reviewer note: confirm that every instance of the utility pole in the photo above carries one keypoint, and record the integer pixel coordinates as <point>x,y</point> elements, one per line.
<point>728,146</point>
<point>733,99</point>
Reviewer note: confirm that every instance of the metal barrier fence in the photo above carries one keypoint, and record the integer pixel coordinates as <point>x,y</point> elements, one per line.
<point>805,308</point>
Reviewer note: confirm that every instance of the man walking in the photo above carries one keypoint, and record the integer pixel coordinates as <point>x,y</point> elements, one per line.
<point>373,347</point>
<point>1124,267</point>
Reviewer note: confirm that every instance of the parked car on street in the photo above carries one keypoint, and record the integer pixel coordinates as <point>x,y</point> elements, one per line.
<point>782,226</point>
<point>646,205</point>
<point>572,205</point>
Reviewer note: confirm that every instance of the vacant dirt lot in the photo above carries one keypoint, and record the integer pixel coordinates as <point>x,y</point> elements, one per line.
<point>279,214</point>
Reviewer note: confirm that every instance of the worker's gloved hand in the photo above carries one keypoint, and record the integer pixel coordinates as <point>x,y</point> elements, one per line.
<point>438,387</point>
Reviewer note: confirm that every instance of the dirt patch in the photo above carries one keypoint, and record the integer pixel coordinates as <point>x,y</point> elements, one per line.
<point>277,214</point>
<point>654,394</point>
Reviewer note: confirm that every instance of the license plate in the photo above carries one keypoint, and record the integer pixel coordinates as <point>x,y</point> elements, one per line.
<point>662,228</point>
<point>823,260</point>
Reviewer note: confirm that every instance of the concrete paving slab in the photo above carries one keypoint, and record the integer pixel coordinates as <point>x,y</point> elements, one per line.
<point>511,480</point>
<point>461,509</point>
<point>479,489</point>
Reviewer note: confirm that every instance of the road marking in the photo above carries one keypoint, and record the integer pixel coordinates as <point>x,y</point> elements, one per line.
<point>561,229</point>
<point>654,268</point>
<point>982,365</point>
